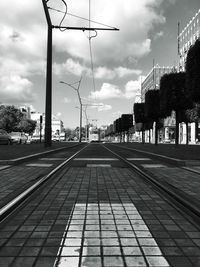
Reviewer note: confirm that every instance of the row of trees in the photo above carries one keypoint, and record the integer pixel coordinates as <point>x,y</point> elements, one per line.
<point>120,126</point>
<point>13,120</point>
<point>179,92</point>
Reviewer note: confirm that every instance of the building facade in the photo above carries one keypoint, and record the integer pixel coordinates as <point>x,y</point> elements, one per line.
<point>152,80</point>
<point>56,124</point>
<point>187,37</point>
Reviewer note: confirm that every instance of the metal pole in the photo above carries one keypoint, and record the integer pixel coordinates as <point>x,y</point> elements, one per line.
<point>80,130</point>
<point>48,103</point>
<point>48,107</point>
<point>80,133</point>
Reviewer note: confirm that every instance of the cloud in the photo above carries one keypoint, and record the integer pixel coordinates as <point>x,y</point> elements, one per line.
<point>106,73</point>
<point>58,114</point>
<point>116,114</point>
<point>101,107</point>
<point>134,19</point>
<point>107,91</point>
<point>76,68</point>
<point>16,89</point>
<point>70,67</point>
<point>66,100</point>
<point>133,88</point>
<point>111,91</point>
<point>158,35</point>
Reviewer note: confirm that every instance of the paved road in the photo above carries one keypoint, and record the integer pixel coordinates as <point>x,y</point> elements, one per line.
<point>98,212</point>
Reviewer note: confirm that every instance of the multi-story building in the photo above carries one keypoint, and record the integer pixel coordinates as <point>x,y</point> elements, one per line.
<point>187,37</point>
<point>56,124</point>
<point>152,80</point>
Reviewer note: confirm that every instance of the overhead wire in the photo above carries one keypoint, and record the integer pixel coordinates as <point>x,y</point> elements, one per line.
<point>79,17</point>
<point>91,55</point>
<point>65,13</point>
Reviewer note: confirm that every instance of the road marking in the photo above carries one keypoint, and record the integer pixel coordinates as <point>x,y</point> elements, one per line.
<point>98,165</point>
<point>38,165</point>
<point>95,225</point>
<point>4,167</point>
<point>52,158</point>
<point>153,166</point>
<point>110,159</point>
<point>138,159</point>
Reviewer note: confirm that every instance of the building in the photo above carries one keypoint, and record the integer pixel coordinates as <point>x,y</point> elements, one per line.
<point>56,124</point>
<point>187,37</point>
<point>152,80</point>
<point>26,111</point>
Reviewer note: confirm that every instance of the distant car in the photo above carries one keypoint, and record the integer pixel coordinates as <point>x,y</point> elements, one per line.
<point>62,137</point>
<point>18,138</point>
<point>56,138</point>
<point>5,138</point>
<point>36,139</point>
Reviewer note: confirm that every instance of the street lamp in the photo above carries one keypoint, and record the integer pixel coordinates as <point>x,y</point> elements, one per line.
<point>80,102</point>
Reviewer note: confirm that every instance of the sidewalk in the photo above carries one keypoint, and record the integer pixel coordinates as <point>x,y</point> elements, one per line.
<point>16,153</point>
<point>181,155</point>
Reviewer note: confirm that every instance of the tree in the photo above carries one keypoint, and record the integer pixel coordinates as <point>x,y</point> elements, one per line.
<point>27,126</point>
<point>139,114</point>
<point>174,95</point>
<point>193,71</point>
<point>127,123</point>
<point>10,117</point>
<point>152,109</point>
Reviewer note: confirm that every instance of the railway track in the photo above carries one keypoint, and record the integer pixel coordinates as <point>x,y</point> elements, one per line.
<point>177,197</point>
<point>32,185</point>
<point>189,206</point>
<point>98,183</point>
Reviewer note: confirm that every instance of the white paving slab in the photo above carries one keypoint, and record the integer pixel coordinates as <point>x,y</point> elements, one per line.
<point>98,165</point>
<point>52,159</point>
<point>96,159</point>
<point>38,165</point>
<point>138,159</point>
<point>153,166</point>
<point>143,249</point>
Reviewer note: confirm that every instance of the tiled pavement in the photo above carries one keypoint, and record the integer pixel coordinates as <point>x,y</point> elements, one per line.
<point>99,217</point>
<point>183,180</point>
<point>15,179</point>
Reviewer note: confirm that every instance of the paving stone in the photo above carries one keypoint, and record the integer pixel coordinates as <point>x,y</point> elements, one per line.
<point>113,261</point>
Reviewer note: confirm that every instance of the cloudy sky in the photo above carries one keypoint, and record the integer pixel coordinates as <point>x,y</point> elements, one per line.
<point>121,59</point>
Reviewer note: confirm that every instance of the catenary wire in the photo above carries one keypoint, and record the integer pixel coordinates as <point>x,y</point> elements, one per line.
<point>79,17</point>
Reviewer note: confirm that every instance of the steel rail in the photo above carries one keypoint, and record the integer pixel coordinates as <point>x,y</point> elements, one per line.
<point>177,199</point>
<point>10,207</point>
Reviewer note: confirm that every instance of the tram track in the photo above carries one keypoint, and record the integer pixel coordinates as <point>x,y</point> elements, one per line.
<point>177,198</point>
<point>22,197</point>
<point>111,204</point>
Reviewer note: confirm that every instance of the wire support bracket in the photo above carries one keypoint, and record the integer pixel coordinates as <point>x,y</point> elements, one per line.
<point>84,28</point>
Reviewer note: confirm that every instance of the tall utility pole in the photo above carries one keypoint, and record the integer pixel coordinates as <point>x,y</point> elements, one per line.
<point>80,102</point>
<point>48,104</point>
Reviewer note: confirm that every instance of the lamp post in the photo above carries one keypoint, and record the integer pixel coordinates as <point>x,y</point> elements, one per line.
<point>80,102</point>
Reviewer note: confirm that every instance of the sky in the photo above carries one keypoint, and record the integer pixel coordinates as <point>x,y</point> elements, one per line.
<point>110,65</point>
